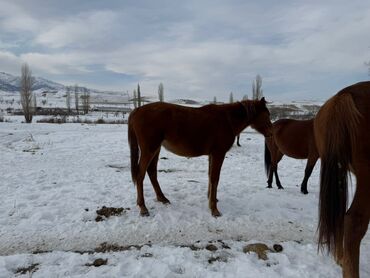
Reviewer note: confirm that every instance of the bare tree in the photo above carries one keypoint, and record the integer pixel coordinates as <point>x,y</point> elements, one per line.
<point>256,88</point>
<point>34,102</point>
<point>138,96</point>
<point>27,99</point>
<point>76,89</point>
<point>368,66</point>
<point>85,101</point>
<point>161,92</point>
<point>135,98</point>
<point>245,97</point>
<point>214,100</point>
<point>231,98</point>
<point>68,99</point>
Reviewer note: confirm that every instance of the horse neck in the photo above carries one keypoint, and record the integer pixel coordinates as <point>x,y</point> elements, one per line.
<point>241,116</point>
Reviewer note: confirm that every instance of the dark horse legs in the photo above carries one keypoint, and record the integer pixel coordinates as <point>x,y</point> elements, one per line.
<point>152,172</point>
<point>215,164</point>
<point>273,171</point>
<point>356,222</point>
<point>148,163</point>
<point>237,141</point>
<point>311,161</point>
<point>145,159</point>
<point>276,157</point>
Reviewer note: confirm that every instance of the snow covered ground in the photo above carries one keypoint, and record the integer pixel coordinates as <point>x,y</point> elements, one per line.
<point>55,177</point>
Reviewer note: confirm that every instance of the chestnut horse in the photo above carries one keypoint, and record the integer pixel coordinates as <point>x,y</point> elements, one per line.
<point>190,132</point>
<point>295,139</point>
<point>342,133</point>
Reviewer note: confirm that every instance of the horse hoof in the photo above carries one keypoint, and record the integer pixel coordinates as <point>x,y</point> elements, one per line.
<point>216,213</point>
<point>164,201</point>
<point>269,186</point>
<point>280,187</point>
<point>304,192</point>
<point>144,213</point>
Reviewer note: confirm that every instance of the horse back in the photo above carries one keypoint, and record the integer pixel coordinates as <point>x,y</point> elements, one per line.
<point>186,131</point>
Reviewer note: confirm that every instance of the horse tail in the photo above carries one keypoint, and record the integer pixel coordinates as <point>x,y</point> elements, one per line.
<point>134,150</point>
<point>267,159</point>
<point>337,123</point>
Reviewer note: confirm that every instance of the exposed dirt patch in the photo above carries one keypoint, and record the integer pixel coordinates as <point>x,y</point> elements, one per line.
<point>194,181</point>
<point>262,249</point>
<point>191,247</point>
<point>32,150</point>
<point>168,170</point>
<point>106,212</point>
<point>277,248</point>
<point>30,269</point>
<point>211,247</point>
<point>98,262</point>
<point>147,255</point>
<point>118,167</point>
<point>106,247</point>
<point>217,259</point>
<point>223,244</point>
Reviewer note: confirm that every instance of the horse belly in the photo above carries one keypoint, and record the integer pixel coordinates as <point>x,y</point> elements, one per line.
<point>181,149</point>
<point>296,151</point>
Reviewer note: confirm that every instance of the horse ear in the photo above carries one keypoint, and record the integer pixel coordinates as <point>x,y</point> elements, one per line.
<point>263,100</point>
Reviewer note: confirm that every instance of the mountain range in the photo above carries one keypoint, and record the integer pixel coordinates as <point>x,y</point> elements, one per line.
<point>11,83</point>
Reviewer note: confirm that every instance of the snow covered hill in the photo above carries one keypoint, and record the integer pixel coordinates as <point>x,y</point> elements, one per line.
<point>11,83</point>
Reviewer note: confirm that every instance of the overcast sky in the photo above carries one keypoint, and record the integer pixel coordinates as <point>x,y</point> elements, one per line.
<point>198,49</point>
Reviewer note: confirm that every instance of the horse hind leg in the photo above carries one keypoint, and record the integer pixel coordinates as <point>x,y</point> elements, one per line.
<point>152,173</point>
<point>145,159</point>
<point>215,164</point>
<point>356,222</point>
<point>307,173</point>
<point>237,141</point>
<point>209,179</point>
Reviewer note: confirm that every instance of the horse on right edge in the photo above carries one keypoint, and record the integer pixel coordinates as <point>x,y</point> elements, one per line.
<point>342,134</point>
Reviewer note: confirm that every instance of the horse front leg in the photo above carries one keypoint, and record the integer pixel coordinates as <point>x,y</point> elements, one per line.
<point>215,164</point>
<point>270,178</point>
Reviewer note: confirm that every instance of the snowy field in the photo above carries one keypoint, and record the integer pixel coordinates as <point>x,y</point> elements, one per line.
<point>53,178</point>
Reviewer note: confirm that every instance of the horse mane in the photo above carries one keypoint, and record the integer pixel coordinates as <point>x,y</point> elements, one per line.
<point>238,113</point>
<point>250,107</point>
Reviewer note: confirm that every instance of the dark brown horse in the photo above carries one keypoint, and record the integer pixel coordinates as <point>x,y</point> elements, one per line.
<point>295,139</point>
<point>186,131</point>
<point>342,133</point>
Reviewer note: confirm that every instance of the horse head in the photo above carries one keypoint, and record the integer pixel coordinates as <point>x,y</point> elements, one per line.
<point>260,120</point>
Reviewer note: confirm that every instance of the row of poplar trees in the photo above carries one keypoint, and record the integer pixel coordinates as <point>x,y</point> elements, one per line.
<point>138,99</point>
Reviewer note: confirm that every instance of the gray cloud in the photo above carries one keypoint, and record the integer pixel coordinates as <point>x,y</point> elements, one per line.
<point>196,48</point>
